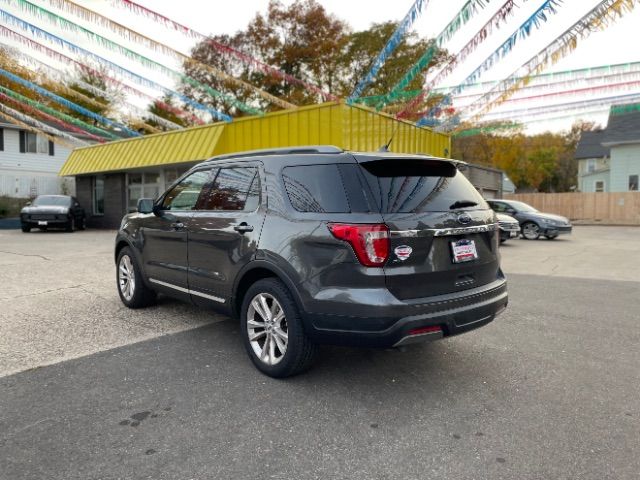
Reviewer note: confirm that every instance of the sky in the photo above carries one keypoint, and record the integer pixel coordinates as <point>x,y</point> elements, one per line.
<point>613,46</point>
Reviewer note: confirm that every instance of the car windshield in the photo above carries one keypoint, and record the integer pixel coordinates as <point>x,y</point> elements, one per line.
<point>522,207</point>
<point>52,200</point>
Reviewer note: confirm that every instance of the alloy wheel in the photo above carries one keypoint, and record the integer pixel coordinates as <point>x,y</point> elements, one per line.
<point>126,277</point>
<point>267,328</point>
<point>531,231</point>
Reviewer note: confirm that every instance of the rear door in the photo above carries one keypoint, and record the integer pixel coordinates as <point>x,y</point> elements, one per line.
<point>224,231</point>
<point>443,236</point>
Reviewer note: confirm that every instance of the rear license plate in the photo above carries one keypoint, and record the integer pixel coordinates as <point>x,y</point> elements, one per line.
<point>464,251</point>
<point>42,222</point>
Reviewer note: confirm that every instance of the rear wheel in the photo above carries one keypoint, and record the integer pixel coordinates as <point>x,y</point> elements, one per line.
<point>272,330</point>
<point>131,288</point>
<point>531,231</point>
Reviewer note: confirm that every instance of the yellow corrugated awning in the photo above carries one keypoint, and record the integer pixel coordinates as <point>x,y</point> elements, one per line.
<point>346,126</point>
<point>177,146</point>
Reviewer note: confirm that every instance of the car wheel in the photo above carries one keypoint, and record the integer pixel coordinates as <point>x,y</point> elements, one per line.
<point>551,237</point>
<point>81,225</point>
<point>71,224</point>
<point>131,288</point>
<point>531,231</point>
<point>272,330</point>
<point>26,228</point>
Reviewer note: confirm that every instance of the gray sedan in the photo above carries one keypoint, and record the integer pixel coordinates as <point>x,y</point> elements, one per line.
<point>532,222</point>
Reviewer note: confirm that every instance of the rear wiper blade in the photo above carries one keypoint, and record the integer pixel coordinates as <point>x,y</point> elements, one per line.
<point>463,203</point>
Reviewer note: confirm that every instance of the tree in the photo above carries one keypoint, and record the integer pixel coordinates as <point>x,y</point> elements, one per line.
<point>302,40</point>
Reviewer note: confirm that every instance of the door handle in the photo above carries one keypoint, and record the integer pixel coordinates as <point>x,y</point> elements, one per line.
<point>243,227</point>
<point>177,226</point>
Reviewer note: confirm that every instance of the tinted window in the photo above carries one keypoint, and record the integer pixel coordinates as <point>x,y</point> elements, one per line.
<point>404,186</point>
<point>316,188</point>
<point>234,188</point>
<point>498,206</point>
<point>185,194</point>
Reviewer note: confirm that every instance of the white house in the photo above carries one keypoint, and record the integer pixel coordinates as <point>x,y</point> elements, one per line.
<point>29,164</point>
<point>609,159</point>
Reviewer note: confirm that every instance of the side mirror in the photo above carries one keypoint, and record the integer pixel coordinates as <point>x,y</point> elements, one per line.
<point>145,205</point>
<point>510,211</point>
<point>28,204</point>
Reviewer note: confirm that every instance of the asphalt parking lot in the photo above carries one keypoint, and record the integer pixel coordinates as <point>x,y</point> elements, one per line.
<point>91,390</point>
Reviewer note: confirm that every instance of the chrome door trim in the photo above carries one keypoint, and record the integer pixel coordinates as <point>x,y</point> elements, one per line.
<point>186,290</point>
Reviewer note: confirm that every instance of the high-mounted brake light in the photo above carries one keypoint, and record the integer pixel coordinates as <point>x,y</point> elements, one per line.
<point>370,242</point>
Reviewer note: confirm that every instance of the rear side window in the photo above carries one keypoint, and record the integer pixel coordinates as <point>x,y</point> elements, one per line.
<point>234,188</point>
<point>316,188</point>
<point>416,186</point>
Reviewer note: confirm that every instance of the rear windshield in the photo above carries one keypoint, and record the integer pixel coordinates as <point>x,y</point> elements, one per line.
<point>416,186</point>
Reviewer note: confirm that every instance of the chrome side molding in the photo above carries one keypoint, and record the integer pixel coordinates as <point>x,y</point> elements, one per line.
<point>443,232</point>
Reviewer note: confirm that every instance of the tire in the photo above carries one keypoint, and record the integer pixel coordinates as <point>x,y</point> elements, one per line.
<point>81,225</point>
<point>71,225</point>
<point>26,228</point>
<point>299,351</point>
<point>530,231</point>
<point>134,294</point>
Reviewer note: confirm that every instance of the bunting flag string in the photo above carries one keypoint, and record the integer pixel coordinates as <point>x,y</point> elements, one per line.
<point>563,75</point>
<point>523,31</point>
<point>597,19</point>
<point>135,37</point>
<point>55,113</point>
<point>225,49</point>
<point>67,103</point>
<point>565,86</point>
<point>380,99</point>
<point>57,56</point>
<point>494,23</point>
<point>48,131</point>
<point>389,48</point>
<point>26,26</point>
<point>26,126</point>
<point>104,42</point>
<point>468,10</point>
<point>39,113</point>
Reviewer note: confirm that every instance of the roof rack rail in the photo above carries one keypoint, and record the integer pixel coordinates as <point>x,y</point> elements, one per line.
<point>280,151</point>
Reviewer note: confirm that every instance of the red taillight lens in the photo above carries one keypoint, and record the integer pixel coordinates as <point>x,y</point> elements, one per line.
<point>370,243</point>
<point>423,330</point>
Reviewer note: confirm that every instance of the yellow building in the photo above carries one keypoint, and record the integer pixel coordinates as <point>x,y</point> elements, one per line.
<point>111,177</point>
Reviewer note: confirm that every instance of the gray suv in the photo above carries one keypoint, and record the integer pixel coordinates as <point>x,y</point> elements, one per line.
<point>316,245</point>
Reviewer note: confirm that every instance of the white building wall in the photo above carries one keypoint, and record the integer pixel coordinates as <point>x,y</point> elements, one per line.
<point>625,161</point>
<point>31,174</point>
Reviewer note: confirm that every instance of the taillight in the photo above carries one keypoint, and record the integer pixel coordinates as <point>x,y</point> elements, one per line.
<point>370,243</point>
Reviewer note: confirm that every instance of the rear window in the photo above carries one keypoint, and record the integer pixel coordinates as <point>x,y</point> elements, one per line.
<point>316,188</point>
<point>415,186</point>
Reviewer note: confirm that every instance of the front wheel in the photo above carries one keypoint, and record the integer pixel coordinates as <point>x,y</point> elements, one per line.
<point>131,288</point>
<point>71,225</point>
<point>530,231</point>
<point>26,228</point>
<point>552,237</point>
<point>81,224</point>
<point>272,330</point>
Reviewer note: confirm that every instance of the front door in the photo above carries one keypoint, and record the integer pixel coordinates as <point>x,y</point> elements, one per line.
<point>224,233</point>
<point>164,235</point>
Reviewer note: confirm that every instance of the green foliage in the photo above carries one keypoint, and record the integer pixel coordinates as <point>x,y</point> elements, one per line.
<point>10,207</point>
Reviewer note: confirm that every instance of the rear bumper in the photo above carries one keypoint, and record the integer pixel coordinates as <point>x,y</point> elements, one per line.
<point>396,323</point>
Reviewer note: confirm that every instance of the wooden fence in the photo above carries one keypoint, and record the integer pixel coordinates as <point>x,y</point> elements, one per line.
<point>606,208</point>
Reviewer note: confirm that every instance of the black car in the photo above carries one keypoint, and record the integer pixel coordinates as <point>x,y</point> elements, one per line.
<point>316,245</point>
<point>532,222</point>
<point>53,211</point>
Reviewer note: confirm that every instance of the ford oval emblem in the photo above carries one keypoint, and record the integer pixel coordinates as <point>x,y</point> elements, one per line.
<point>464,218</point>
<point>403,252</point>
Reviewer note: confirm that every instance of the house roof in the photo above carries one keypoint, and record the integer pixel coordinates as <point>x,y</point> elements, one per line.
<point>590,145</point>
<point>623,126</point>
<point>349,127</point>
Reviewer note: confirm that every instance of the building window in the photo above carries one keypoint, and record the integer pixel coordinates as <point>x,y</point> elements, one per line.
<point>599,186</point>
<point>591,165</point>
<point>633,183</point>
<point>142,185</point>
<point>31,142</point>
<point>98,195</point>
